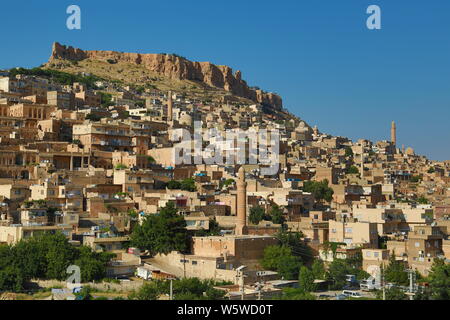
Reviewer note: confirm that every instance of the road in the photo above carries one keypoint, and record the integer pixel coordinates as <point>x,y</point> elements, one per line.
<point>334,293</point>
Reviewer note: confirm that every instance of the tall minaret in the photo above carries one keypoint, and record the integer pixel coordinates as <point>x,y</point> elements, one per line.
<point>362,164</point>
<point>241,223</point>
<point>393,133</point>
<point>169,106</point>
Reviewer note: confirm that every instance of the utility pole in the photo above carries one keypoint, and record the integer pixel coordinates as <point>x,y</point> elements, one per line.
<point>412,280</point>
<point>242,285</point>
<point>383,284</point>
<point>240,275</point>
<point>171,290</point>
<point>259,294</point>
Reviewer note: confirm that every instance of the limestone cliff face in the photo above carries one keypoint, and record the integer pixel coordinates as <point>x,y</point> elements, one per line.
<point>176,68</point>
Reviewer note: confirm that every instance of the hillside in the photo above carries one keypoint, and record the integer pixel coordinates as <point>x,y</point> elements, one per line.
<point>161,72</point>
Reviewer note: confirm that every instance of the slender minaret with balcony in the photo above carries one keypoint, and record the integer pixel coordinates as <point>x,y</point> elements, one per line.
<point>169,106</point>
<point>393,133</point>
<point>241,223</point>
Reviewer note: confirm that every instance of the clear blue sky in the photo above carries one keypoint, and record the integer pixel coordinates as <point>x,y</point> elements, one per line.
<point>317,54</point>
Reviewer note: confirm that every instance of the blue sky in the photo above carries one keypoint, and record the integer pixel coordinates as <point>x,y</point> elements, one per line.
<point>317,54</point>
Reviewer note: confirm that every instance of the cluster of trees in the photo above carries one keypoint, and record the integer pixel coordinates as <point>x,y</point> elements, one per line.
<point>422,200</point>
<point>186,185</point>
<point>348,152</point>
<point>93,117</point>
<point>161,233</point>
<point>225,183</point>
<point>288,256</point>
<point>47,256</point>
<point>60,77</point>
<point>395,272</point>
<point>320,190</point>
<point>166,231</point>
<point>438,282</point>
<point>106,99</point>
<point>293,260</point>
<point>183,289</point>
<point>352,170</point>
<point>258,214</point>
<point>339,268</point>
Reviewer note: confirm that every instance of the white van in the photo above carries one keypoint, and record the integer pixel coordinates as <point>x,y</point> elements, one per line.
<point>352,294</point>
<point>369,284</point>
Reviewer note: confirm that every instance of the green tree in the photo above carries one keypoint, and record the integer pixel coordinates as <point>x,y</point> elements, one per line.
<point>148,291</point>
<point>395,272</point>
<point>298,248</point>
<point>320,190</point>
<point>214,229</point>
<point>337,272</point>
<point>47,256</point>
<point>174,185</point>
<point>161,233</point>
<point>318,269</point>
<point>340,268</point>
<point>188,185</point>
<point>226,183</point>
<point>59,254</point>
<point>106,99</point>
<point>11,279</point>
<point>348,152</point>
<point>276,214</point>
<point>352,170</point>
<point>306,280</point>
<point>256,215</point>
<point>92,264</point>
<point>281,260</point>
<point>288,267</point>
<point>196,289</point>
<point>93,117</point>
<point>439,280</point>
<point>422,200</point>
<point>272,255</point>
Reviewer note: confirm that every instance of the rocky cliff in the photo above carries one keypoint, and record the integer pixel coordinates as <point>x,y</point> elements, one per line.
<point>178,68</point>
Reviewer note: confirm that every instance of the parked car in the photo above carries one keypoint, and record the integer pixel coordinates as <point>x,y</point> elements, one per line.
<point>350,293</point>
